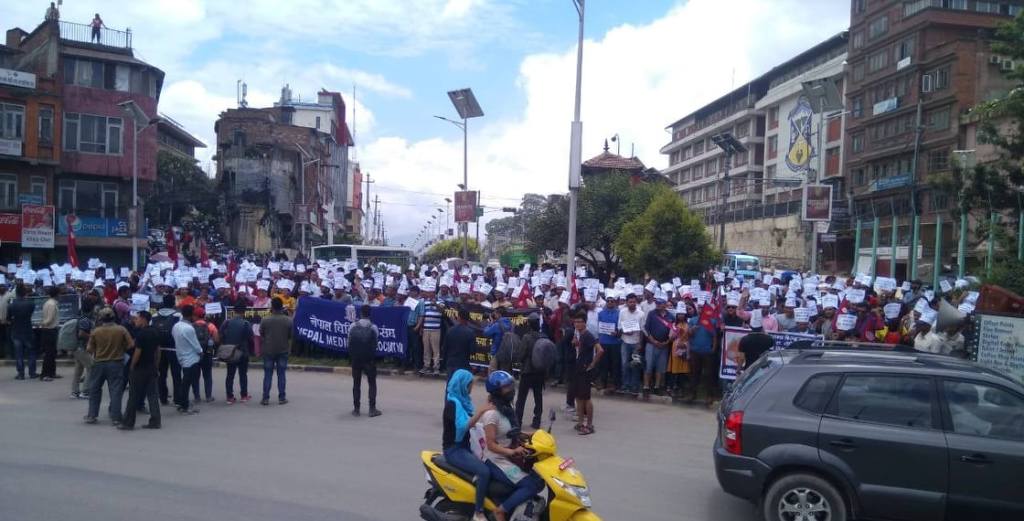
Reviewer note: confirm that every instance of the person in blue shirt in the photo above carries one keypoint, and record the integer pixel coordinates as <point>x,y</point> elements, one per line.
<point>657,329</point>
<point>701,353</point>
<point>414,360</point>
<point>611,363</point>
<point>496,331</point>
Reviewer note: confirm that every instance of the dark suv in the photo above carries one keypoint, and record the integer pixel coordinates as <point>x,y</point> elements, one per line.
<point>837,434</point>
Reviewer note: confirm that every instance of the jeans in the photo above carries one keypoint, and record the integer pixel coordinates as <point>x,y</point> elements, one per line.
<point>206,372</point>
<point>83,363</point>
<point>531,382</point>
<point>702,370</point>
<point>529,486</point>
<point>414,358</point>
<point>359,368</point>
<point>656,359</point>
<point>169,365</point>
<point>48,345</point>
<point>610,367</point>
<point>270,363</point>
<point>111,372</point>
<point>243,377</point>
<point>142,387</point>
<point>630,374</point>
<point>462,458</point>
<point>24,348</point>
<point>189,378</point>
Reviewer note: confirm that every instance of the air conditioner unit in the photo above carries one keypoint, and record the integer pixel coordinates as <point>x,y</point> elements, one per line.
<point>995,60</point>
<point>927,83</point>
<point>1007,65</point>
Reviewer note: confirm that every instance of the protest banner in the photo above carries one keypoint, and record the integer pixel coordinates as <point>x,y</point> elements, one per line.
<point>478,320</point>
<point>326,324</point>
<point>728,368</point>
<point>68,308</point>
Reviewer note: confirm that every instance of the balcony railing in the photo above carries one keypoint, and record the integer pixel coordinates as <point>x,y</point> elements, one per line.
<point>107,36</point>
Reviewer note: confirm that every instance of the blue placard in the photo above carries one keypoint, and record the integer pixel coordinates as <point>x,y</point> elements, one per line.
<point>30,199</point>
<point>326,323</point>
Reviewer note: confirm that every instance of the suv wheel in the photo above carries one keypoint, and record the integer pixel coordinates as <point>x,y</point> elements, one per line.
<point>803,497</point>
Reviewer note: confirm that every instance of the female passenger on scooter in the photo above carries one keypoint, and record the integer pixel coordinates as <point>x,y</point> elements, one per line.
<point>458,408</point>
<point>501,425</point>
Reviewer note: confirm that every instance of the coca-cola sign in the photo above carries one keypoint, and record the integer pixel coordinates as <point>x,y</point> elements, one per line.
<point>10,227</point>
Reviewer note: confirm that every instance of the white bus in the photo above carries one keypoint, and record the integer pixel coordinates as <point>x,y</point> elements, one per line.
<point>364,254</point>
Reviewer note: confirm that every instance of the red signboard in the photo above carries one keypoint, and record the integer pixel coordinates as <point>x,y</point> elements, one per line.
<point>10,227</point>
<point>465,206</point>
<point>37,226</point>
<point>817,203</point>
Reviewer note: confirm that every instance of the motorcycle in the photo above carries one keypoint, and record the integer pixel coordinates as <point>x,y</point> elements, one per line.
<point>565,496</point>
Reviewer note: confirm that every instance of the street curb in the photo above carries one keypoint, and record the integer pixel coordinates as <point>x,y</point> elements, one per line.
<point>346,370</point>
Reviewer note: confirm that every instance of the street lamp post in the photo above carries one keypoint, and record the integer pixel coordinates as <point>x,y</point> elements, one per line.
<point>575,147</point>
<point>140,122</point>
<point>730,146</point>
<point>466,105</point>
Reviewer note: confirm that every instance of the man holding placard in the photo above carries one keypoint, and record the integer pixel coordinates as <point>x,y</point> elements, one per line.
<point>630,321</point>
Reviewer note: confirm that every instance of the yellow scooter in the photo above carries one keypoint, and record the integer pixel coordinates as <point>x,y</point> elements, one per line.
<point>565,498</point>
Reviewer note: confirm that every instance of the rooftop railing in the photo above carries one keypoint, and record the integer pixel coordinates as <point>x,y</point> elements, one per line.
<point>106,36</point>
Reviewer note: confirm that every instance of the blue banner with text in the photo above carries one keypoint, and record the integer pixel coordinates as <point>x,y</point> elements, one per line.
<point>325,323</point>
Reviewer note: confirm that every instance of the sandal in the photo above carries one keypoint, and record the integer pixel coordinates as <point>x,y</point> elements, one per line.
<point>586,430</point>
<point>579,427</point>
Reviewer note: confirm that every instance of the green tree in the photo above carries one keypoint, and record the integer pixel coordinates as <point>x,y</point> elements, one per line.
<point>1008,273</point>
<point>666,240</point>
<point>450,248</point>
<point>182,192</point>
<point>606,203</point>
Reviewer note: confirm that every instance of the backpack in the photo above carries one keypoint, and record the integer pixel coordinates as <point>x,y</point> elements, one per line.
<point>163,325</point>
<point>203,334</point>
<point>509,351</point>
<point>544,355</point>
<point>362,342</point>
<point>67,337</point>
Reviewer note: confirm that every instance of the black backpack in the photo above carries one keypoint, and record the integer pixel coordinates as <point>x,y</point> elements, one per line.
<point>362,342</point>
<point>544,354</point>
<point>163,325</point>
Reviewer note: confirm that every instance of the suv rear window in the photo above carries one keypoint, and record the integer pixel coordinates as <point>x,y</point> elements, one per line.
<point>816,392</point>
<point>892,399</point>
<point>762,368</point>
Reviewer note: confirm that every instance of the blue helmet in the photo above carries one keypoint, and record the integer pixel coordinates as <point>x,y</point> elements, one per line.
<point>497,380</point>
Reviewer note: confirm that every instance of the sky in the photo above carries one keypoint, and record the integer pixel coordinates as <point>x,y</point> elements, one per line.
<point>646,63</point>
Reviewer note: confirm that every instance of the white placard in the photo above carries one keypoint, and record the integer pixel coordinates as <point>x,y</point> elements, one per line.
<point>214,308</point>
<point>892,310</point>
<point>630,326</point>
<point>606,328</point>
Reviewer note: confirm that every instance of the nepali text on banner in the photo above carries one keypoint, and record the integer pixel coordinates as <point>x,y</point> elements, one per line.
<point>481,355</point>
<point>326,323</point>
<point>728,367</point>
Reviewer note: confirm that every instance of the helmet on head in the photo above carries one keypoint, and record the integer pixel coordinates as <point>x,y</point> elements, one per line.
<point>498,380</point>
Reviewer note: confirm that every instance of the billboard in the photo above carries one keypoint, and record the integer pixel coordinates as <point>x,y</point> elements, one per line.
<point>465,206</point>
<point>10,227</point>
<point>817,203</point>
<point>94,227</point>
<point>37,226</point>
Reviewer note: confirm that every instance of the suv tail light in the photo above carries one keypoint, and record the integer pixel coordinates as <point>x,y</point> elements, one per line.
<point>731,432</point>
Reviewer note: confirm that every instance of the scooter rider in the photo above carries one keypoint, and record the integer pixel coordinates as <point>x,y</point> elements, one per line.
<point>501,425</point>
<point>458,407</point>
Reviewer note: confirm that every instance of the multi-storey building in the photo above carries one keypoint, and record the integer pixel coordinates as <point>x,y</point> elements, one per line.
<point>81,136</point>
<point>930,58</point>
<point>173,138</point>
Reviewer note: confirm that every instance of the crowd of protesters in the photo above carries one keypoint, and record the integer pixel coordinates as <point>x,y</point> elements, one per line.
<point>136,331</point>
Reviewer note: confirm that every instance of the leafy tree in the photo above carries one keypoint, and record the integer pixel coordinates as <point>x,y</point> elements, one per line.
<point>606,203</point>
<point>1008,273</point>
<point>182,190</point>
<point>450,248</point>
<point>666,240</point>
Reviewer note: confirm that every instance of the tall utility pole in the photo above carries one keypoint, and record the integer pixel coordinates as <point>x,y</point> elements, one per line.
<point>376,215</point>
<point>575,148</point>
<point>915,218</point>
<point>366,214</point>
<point>467,106</point>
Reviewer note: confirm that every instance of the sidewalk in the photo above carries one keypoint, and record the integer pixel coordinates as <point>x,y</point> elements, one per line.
<point>409,375</point>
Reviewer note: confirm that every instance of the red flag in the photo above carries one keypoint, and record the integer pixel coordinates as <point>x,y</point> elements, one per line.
<point>204,256</point>
<point>232,266</point>
<point>574,294</point>
<point>524,296</point>
<point>172,248</point>
<point>72,253</point>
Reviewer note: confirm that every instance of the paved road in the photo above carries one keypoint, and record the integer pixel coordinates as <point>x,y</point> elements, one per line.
<point>310,460</point>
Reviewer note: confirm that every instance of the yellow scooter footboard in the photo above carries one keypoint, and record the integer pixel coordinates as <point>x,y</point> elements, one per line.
<point>584,515</point>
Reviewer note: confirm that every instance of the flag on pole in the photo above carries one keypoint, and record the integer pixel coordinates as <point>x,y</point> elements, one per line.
<point>72,252</point>
<point>172,248</point>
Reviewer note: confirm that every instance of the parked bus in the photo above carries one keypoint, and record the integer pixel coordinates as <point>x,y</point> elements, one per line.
<point>364,254</point>
<point>747,265</point>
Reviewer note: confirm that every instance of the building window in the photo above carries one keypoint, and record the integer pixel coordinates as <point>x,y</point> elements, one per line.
<point>878,27</point>
<point>859,179</point>
<point>769,172</point>
<point>857,143</point>
<point>940,201</point>
<point>46,124</point>
<point>37,187</point>
<point>857,107</point>
<point>960,5</point>
<point>858,40</point>
<point>85,73</point>
<point>92,134</point>
<point>859,5</point>
<point>878,61</point>
<point>687,153</point>
<point>858,72</point>
<point>938,160</point>
<point>685,177</point>
<point>905,48</point>
<point>318,122</point>
<point>8,191</point>
<point>773,146</point>
<point>12,121</point>
<point>986,7</point>
<point>832,162</point>
<point>238,138</point>
<point>743,129</point>
<point>698,171</point>
<point>741,159</point>
<point>88,199</point>
<point>941,78</point>
<point>773,117</point>
<point>938,119</point>
<point>711,166</point>
<point>698,148</point>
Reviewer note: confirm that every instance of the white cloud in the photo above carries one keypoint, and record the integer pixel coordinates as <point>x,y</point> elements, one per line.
<point>637,79</point>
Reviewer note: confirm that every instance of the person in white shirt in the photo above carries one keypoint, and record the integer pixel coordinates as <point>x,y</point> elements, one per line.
<point>189,352</point>
<point>630,329</point>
